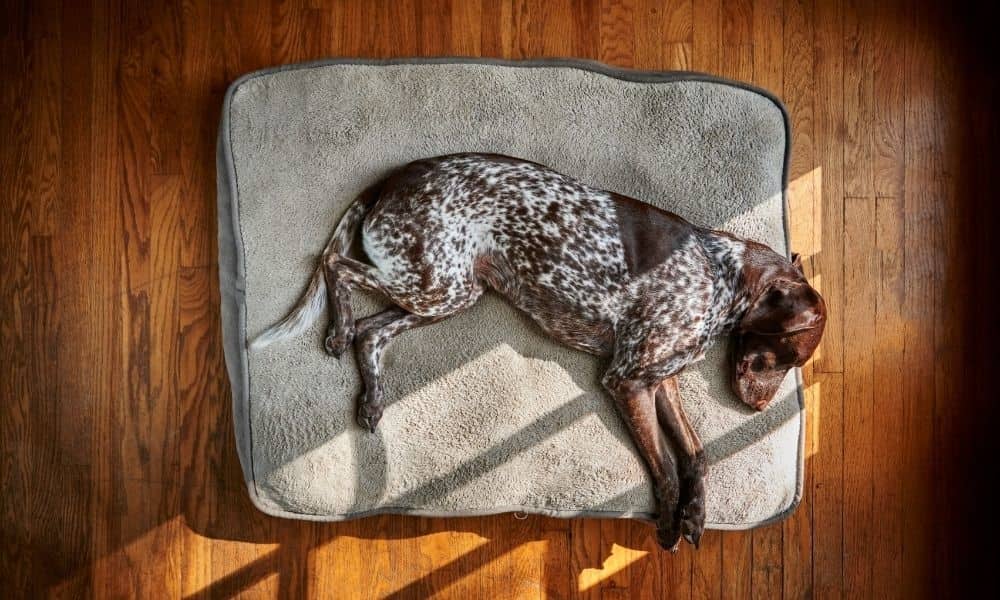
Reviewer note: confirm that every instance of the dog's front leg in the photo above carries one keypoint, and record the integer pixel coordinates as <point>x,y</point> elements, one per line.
<point>637,404</point>
<point>690,459</point>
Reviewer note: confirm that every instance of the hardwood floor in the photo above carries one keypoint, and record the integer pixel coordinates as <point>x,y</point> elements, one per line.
<point>119,471</point>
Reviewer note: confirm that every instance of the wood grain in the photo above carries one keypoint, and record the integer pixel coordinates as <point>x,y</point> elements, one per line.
<point>861,277</point>
<point>119,471</point>
<point>889,402</point>
<point>921,255</point>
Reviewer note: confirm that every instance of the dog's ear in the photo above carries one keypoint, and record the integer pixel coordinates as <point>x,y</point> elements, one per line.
<point>797,261</point>
<point>784,306</point>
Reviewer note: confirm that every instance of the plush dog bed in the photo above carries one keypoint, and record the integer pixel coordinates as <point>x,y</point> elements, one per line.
<point>485,414</point>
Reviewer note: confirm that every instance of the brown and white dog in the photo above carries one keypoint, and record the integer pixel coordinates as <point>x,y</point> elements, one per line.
<point>598,271</point>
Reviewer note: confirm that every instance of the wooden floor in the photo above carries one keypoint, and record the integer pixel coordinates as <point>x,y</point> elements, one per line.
<point>119,471</point>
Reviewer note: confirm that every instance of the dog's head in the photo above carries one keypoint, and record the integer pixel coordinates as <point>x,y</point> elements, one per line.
<point>780,330</point>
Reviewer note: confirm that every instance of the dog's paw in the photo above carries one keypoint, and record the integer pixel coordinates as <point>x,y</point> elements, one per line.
<point>337,344</point>
<point>668,536</point>
<point>692,521</point>
<point>369,416</point>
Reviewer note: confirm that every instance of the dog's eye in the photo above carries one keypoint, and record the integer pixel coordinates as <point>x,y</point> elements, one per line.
<point>759,364</point>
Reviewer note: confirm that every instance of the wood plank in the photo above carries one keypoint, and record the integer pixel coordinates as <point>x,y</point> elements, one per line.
<point>16,422</point>
<point>467,28</point>
<point>558,27</point>
<point>586,29</point>
<point>293,32</point>
<point>206,62</point>
<point>859,100</point>
<point>615,544</point>
<point>202,400</point>
<point>827,265</point>
<point>523,551</point>
<point>165,88</point>
<point>649,49</point>
<point>51,497</point>
<point>433,19</point>
<point>617,32</point>
<point>679,56</point>
<point>69,318</point>
<point>827,494</point>
<point>765,575</point>
<point>767,22</point>
<point>498,29</point>
<point>828,132</point>
<point>202,67</point>
<point>645,575</point>
<point>357,29</point>
<point>526,29</point>
<point>107,252</point>
<point>888,72</point>
<point>390,16</point>
<point>952,409</point>
<point>679,27</point>
<point>44,55</point>
<point>799,98</point>
<point>585,552</point>
<point>432,552</point>
<point>677,572</point>
<point>737,556</point>
<point>890,331</point>
<point>707,567</point>
<point>860,283</point>
<point>706,36</point>
<point>737,44</point>
<point>337,548</point>
<point>921,246</point>
<point>737,22</point>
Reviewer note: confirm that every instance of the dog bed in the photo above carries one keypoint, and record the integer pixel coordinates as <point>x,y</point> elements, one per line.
<point>484,413</point>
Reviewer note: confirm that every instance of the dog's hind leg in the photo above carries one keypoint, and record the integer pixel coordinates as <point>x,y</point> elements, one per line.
<point>342,275</point>
<point>373,335</point>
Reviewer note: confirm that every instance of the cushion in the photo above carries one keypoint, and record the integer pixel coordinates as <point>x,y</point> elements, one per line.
<point>484,413</point>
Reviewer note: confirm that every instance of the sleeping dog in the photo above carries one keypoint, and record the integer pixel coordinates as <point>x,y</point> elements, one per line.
<point>598,271</point>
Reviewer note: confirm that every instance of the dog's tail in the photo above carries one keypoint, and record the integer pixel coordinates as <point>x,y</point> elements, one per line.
<point>314,300</point>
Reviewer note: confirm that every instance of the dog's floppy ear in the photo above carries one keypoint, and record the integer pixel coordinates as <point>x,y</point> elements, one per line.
<point>784,306</point>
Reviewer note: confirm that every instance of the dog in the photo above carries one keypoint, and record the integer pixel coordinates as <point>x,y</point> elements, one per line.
<point>597,271</point>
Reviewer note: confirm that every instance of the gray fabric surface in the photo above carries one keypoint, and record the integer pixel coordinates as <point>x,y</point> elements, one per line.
<point>485,413</point>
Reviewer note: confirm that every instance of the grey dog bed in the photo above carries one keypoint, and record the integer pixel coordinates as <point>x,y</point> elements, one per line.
<point>485,414</point>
